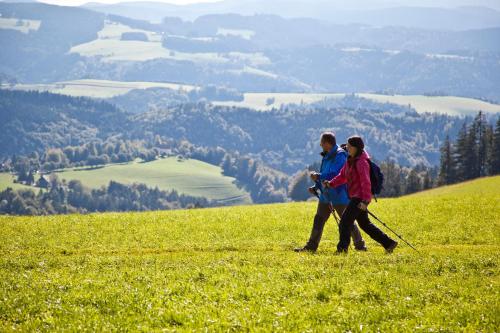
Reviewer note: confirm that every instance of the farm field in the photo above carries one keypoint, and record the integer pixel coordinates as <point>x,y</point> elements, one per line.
<point>110,47</point>
<point>233,268</point>
<point>440,104</point>
<point>451,105</point>
<point>191,177</point>
<point>100,88</point>
<point>7,180</point>
<point>22,25</point>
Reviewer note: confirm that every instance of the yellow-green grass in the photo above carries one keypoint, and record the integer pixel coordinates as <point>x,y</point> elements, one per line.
<point>24,26</point>
<point>451,105</point>
<point>191,177</point>
<point>233,269</point>
<point>100,88</point>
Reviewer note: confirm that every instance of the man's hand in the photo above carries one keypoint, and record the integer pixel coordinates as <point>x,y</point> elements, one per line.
<point>312,190</point>
<point>363,206</point>
<point>326,184</point>
<point>314,176</point>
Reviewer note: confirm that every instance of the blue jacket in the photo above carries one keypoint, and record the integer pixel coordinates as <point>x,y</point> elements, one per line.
<point>331,164</point>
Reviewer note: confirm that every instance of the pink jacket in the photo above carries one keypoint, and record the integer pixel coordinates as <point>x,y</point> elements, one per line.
<point>356,173</point>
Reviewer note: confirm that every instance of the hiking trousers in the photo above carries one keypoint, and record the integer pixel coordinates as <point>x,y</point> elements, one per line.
<point>322,214</point>
<point>346,226</point>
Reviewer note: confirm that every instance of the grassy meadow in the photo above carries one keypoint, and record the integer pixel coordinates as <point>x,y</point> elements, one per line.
<point>191,177</point>
<point>233,269</point>
<point>7,180</point>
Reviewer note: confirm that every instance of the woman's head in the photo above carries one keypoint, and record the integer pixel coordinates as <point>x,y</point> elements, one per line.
<point>355,146</point>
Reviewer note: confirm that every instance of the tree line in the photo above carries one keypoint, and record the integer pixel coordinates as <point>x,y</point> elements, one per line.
<point>264,184</point>
<point>91,154</point>
<point>398,180</point>
<point>73,197</point>
<point>475,152</point>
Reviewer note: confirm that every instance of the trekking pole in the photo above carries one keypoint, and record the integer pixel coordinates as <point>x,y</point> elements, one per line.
<point>334,214</point>
<point>395,233</point>
<point>330,206</point>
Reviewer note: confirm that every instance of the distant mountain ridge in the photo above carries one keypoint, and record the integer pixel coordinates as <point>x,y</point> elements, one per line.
<point>424,15</point>
<point>259,53</point>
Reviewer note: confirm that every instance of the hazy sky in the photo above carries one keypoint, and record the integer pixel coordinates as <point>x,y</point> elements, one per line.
<point>81,2</point>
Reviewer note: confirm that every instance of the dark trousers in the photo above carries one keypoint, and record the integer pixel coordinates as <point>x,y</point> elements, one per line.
<point>322,214</point>
<point>351,213</point>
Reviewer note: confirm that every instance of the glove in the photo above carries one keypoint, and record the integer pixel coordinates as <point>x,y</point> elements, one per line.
<point>314,176</point>
<point>312,190</point>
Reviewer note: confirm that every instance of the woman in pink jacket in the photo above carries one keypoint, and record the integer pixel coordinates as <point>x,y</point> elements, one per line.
<point>356,174</point>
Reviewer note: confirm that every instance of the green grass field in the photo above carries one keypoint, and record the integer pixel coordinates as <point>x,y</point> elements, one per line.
<point>7,180</point>
<point>232,269</point>
<point>190,177</point>
<point>441,104</point>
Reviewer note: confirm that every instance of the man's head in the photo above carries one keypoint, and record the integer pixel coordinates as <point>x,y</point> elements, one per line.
<point>327,141</point>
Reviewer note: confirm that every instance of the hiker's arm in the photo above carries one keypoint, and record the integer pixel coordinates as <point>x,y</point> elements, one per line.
<point>339,179</point>
<point>335,168</point>
<point>364,180</point>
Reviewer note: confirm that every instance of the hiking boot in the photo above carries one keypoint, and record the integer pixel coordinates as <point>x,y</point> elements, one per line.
<point>304,249</point>
<point>361,248</point>
<point>391,247</point>
<point>340,252</point>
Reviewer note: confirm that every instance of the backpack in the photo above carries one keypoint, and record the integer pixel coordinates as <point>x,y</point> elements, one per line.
<point>376,178</point>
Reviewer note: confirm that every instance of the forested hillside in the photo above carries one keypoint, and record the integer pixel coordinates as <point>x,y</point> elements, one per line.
<point>286,138</point>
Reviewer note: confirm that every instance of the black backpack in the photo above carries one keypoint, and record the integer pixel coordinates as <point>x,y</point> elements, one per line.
<point>376,178</point>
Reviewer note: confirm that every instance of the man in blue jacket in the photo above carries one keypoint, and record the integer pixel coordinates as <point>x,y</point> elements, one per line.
<point>330,199</point>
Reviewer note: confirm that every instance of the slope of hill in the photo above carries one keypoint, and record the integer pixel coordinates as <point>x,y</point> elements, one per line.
<point>34,121</point>
<point>287,139</point>
<point>233,269</point>
<point>190,177</point>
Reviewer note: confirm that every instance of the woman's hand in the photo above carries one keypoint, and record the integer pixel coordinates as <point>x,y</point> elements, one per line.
<point>363,206</point>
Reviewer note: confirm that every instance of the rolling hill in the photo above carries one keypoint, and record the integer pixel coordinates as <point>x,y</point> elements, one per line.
<point>190,177</point>
<point>233,269</point>
<point>105,89</point>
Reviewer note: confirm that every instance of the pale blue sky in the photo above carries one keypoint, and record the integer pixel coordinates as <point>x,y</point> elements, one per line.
<point>81,2</point>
